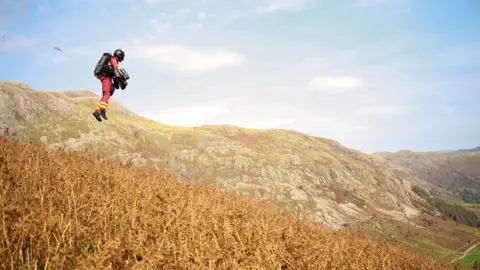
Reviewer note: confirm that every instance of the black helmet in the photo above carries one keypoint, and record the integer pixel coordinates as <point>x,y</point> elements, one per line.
<point>119,54</point>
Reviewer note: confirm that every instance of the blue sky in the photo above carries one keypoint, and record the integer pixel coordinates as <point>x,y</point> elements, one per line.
<point>376,75</point>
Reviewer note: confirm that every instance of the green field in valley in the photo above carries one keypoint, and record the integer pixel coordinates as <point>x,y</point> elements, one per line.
<point>472,256</point>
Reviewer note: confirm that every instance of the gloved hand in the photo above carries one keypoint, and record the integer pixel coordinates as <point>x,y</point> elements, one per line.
<point>116,83</point>
<point>124,74</point>
<point>123,84</point>
<point>116,73</point>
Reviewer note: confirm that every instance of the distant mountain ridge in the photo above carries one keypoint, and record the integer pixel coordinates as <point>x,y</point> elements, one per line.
<point>441,152</point>
<point>449,171</point>
<point>462,151</point>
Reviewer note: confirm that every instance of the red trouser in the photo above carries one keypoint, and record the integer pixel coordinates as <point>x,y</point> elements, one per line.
<point>107,92</point>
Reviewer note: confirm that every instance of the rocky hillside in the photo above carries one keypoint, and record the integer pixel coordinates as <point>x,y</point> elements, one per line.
<point>444,171</point>
<point>461,151</point>
<point>316,178</point>
<point>71,211</point>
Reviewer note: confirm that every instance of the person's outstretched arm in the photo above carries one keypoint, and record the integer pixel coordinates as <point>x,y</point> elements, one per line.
<point>116,66</point>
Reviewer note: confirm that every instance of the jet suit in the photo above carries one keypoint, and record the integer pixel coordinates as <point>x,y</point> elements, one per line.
<point>109,70</point>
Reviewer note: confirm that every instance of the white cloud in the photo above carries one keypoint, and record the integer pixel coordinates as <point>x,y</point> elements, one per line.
<point>194,25</point>
<point>15,43</point>
<point>351,129</point>
<point>152,2</point>
<point>182,13</point>
<point>382,110</point>
<point>235,112</point>
<point>237,15</point>
<point>268,123</point>
<point>339,128</point>
<point>375,3</point>
<point>191,115</point>
<point>335,84</point>
<point>86,1</point>
<point>281,5</point>
<point>158,26</point>
<point>368,2</point>
<point>202,15</point>
<point>188,59</point>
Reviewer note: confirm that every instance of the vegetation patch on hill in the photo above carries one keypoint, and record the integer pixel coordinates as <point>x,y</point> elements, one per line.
<point>454,211</point>
<point>472,258</point>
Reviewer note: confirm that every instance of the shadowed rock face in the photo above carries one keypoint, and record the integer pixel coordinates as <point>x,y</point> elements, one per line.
<point>316,178</point>
<point>446,172</point>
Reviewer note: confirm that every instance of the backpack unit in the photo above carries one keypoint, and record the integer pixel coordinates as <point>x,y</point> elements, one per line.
<point>102,65</point>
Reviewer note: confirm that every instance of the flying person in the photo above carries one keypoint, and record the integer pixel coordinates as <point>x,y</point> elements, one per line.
<point>107,70</point>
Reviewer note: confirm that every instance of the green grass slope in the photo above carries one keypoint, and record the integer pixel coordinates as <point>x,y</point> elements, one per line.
<point>472,258</point>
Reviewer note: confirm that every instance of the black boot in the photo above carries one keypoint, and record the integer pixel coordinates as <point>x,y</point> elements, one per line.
<point>103,114</point>
<point>97,116</point>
